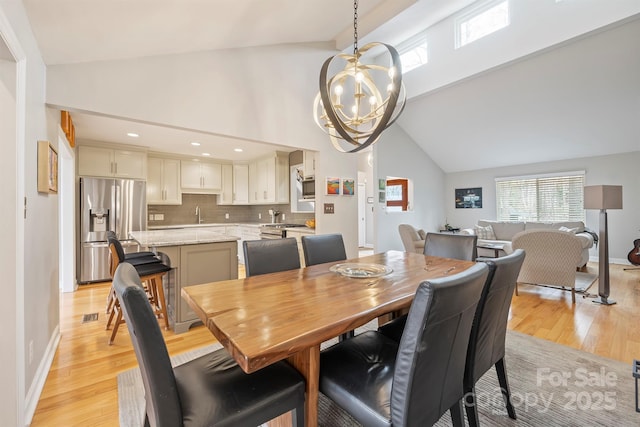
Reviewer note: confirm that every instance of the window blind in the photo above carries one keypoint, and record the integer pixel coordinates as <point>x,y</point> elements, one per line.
<point>545,198</point>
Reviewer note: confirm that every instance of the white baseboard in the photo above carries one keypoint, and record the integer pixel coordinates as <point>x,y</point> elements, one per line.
<point>620,261</point>
<point>33,395</point>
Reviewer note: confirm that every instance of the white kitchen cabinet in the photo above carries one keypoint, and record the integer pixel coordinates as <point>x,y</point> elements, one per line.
<point>235,185</point>
<point>240,184</point>
<point>226,196</point>
<point>201,177</point>
<point>246,232</point>
<point>269,179</point>
<point>110,162</point>
<point>163,182</point>
<point>309,164</point>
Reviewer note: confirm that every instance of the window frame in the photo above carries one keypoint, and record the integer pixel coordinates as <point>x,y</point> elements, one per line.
<point>473,12</point>
<point>404,202</point>
<point>540,214</point>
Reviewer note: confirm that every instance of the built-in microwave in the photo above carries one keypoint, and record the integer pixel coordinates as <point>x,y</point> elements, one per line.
<point>309,188</point>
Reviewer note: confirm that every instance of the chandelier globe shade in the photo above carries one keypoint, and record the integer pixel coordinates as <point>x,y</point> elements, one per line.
<point>359,99</point>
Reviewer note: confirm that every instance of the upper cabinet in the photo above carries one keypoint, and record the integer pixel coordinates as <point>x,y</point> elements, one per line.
<point>235,185</point>
<point>309,163</point>
<point>240,184</point>
<point>111,162</point>
<point>269,179</point>
<point>201,177</point>
<point>163,182</point>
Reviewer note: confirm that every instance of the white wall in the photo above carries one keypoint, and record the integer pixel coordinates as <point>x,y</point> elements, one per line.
<point>31,282</point>
<point>261,94</point>
<point>535,25</point>
<point>397,155</point>
<point>617,169</point>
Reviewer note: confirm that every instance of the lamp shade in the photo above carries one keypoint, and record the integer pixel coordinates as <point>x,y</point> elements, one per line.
<point>603,197</point>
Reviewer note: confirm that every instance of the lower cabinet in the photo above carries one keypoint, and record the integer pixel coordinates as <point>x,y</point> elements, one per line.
<point>193,265</point>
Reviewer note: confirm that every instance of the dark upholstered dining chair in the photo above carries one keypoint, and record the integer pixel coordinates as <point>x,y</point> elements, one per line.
<point>207,391</point>
<point>382,382</point>
<point>454,246</point>
<point>487,340</point>
<point>457,246</point>
<point>270,256</point>
<point>321,248</point>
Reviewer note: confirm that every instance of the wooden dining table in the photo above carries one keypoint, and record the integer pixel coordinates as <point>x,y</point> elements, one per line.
<point>287,315</point>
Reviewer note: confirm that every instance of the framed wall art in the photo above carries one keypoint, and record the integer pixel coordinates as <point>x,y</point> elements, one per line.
<point>469,198</point>
<point>348,186</point>
<point>47,168</point>
<point>332,186</point>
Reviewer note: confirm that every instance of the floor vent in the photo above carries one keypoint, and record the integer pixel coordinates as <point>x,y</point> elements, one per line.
<point>92,317</point>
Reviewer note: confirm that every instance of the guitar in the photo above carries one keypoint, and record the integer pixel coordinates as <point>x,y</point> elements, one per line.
<point>634,255</point>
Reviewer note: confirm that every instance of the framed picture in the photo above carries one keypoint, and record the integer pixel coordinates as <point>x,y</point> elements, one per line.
<point>47,168</point>
<point>382,184</point>
<point>382,197</point>
<point>348,186</point>
<point>333,186</point>
<point>469,198</point>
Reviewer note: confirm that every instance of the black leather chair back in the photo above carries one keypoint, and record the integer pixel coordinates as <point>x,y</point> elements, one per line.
<point>269,256</point>
<point>457,246</point>
<point>430,362</point>
<point>161,395</point>
<point>487,340</point>
<point>111,238</point>
<point>321,248</point>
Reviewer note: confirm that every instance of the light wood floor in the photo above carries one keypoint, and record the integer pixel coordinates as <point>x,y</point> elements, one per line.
<point>81,388</point>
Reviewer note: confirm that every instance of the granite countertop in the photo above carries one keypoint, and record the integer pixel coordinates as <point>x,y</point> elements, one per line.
<point>191,226</point>
<point>214,226</point>
<point>177,237</point>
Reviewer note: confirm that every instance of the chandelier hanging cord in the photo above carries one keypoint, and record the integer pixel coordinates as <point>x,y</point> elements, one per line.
<point>355,27</point>
<point>360,122</point>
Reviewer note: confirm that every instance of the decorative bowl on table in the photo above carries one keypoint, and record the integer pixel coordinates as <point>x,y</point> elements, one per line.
<point>361,270</point>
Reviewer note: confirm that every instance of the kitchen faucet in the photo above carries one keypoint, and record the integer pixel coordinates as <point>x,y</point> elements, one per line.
<point>198,214</point>
<point>274,214</point>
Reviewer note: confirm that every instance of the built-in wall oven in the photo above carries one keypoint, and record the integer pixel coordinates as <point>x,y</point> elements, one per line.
<point>309,189</point>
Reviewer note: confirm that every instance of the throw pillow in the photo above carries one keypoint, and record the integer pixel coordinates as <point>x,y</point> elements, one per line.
<point>485,233</point>
<point>422,234</point>
<point>569,230</point>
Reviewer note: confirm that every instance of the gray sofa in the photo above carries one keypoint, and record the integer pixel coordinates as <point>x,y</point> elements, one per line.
<point>505,230</point>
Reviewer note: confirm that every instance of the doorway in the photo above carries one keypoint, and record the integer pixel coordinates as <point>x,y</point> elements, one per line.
<point>66,216</point>
<point>12,193</point>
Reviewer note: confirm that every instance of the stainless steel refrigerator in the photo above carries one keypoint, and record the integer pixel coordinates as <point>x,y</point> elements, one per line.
<point>106,204</point>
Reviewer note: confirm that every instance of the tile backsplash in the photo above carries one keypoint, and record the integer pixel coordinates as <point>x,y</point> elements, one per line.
<point>211,213</point>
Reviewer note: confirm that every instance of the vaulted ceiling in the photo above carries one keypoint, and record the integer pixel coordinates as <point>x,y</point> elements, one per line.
<point>505,101</point>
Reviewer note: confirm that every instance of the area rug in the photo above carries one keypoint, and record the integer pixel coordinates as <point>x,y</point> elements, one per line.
<point>584,281</point>
<point>552,385</point>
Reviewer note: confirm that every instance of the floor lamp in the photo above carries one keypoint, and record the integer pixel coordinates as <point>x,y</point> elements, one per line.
<point>603,197</point>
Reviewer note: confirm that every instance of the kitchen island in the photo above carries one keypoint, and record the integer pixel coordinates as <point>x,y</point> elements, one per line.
<point>198,255</point>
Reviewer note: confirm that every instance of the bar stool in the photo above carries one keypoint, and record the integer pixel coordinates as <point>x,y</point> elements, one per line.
<point>151,271</point>
<point>134,258</point>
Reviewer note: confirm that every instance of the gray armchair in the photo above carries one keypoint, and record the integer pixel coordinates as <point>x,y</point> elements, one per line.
<point>412,239</point>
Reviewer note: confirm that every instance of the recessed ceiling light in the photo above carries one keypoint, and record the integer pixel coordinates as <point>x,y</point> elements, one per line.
<point>195,143</point>
<point>238,150</point>
<point>132,134</point>
<point>206,154</point>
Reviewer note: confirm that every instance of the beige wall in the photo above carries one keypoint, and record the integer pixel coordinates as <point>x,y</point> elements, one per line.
<point>618,169</point>
<point>29,252</point>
